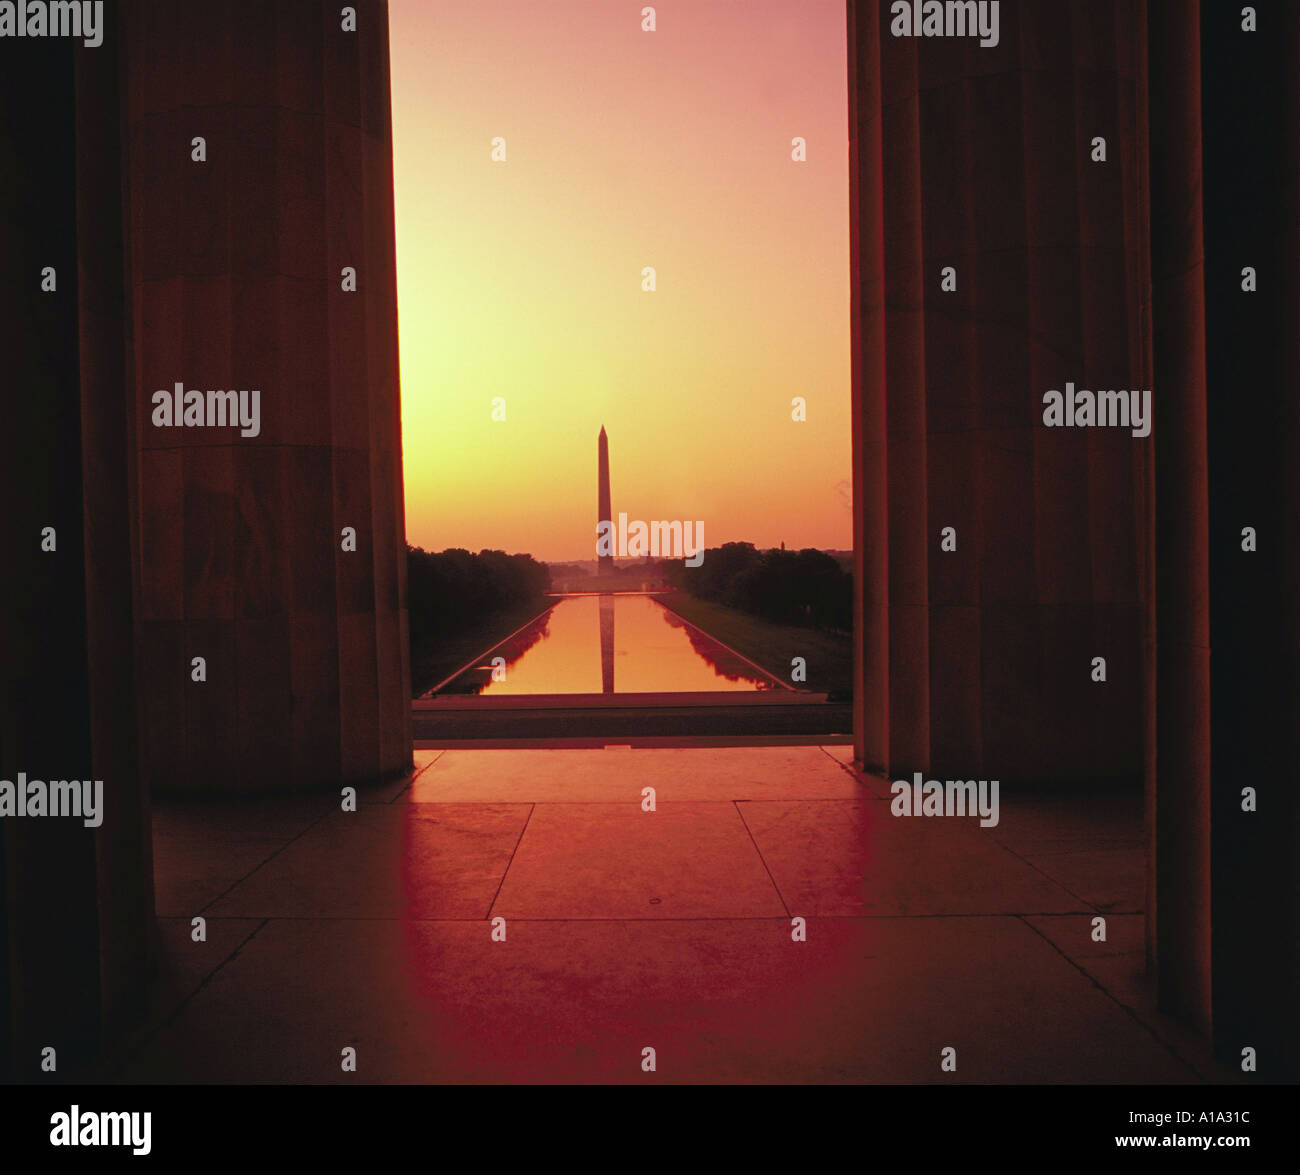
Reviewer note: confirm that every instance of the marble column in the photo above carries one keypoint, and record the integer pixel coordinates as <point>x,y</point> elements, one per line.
<point>268,264</point>
<point>76,902</point>
<point>995,259</point>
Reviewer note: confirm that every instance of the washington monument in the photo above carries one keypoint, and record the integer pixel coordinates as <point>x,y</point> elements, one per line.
<point>605,563</point>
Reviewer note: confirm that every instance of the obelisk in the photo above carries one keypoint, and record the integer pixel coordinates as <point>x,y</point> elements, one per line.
<point>605,563</point>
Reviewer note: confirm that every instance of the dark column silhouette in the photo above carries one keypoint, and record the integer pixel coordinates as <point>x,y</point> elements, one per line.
<point>871,601</point>
<point>124,842</point>
<point>978,660</point>
<point>238,272</point>
<point>1251,150</point>
<point>77,902</point>
<point>49,865</point>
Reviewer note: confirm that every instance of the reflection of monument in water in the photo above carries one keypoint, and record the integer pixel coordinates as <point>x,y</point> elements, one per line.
<point>604,564</point>
<point>606,644</point>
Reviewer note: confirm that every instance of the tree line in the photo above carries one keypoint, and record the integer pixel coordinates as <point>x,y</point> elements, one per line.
<point>448,591</point>
<point>807,587</point>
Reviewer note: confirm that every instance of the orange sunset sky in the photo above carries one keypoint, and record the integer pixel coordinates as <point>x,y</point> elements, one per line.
<point>522,279</point>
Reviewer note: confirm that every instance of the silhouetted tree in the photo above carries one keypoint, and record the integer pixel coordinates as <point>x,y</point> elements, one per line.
<point>454,589</point>
<point>807,587</point>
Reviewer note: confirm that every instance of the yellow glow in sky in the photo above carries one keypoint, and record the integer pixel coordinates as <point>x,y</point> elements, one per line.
<point>523,279</point>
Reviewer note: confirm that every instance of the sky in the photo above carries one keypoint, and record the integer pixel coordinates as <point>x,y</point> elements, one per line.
<point>523,279</point>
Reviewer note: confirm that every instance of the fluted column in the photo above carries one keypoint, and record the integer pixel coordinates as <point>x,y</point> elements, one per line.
<point>76,901</point>
<point>906,468</point>
<point>268,264</point>
<point>1011,260</point>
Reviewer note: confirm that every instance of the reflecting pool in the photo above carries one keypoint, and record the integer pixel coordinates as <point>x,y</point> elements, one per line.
<point>621,643</point>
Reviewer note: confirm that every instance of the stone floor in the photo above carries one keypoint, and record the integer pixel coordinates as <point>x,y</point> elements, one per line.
<point>671,930</point>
